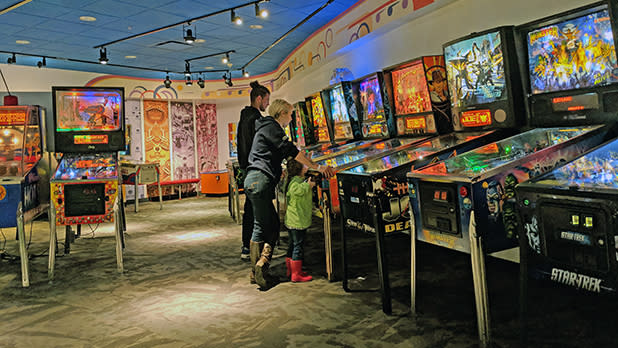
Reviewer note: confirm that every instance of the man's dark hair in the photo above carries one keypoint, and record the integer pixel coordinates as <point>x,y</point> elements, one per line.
<point>258,90</point>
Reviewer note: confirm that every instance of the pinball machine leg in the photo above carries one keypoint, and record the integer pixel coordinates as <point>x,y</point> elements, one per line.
<point>23,252</point>
<point>159,188</point>
<point>328,243</point>
<point>136,190</point>
<point>52,242</point>
<point>480,283</point>
<point>412,264</point>
<point>119,242</point>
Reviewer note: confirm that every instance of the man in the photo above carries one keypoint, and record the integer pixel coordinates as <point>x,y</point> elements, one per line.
<point>260,96</point>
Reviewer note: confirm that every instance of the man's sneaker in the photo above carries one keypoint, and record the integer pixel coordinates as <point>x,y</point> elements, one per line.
<point>244,253</point>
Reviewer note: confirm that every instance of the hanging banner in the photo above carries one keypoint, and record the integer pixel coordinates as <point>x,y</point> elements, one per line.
<point>206,135</point>
<point>183,143</point>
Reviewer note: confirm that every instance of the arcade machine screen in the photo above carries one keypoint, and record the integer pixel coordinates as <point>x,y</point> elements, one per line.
<point>371,99</point>
<point>302,128</point>
<point>410,90</point>
<point>572,54</point>
<point>88,119</point>
<point>476,70</point>
<point>319,119</point>
<point>338,106</point>
<point>343,115</point>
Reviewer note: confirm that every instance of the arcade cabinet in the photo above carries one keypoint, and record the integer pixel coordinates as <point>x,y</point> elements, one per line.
<point>23,174</point>
<point>88,130</point>
<point>467,202</point>
<point>568,215</point>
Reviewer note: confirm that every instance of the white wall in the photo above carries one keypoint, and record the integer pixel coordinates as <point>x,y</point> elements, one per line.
<point>228,111</point>
<point>406,39</point>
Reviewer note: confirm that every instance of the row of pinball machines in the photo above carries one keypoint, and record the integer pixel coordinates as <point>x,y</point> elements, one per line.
<point>525,102</point>
<point>88,130</point>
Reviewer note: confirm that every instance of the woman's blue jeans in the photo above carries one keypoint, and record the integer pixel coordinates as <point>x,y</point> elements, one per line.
<point>260,189</point>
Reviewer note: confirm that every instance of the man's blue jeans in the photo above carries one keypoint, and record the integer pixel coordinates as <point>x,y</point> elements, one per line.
<point>260,189</point>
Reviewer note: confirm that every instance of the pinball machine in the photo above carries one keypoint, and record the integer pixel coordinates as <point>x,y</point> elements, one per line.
<point>89,132</point>
<point>467,202</point>
<point>568,233</point>
<point>23,173</point>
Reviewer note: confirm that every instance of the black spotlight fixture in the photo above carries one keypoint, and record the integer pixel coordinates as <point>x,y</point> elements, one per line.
<point>189,81</point>
<point>235,18</point>
<point>12,59</point>
<point>103,56</point>
<point>228,79</point>
<point>187,69</point>
<point>41,63</point>
<point>226,59</point>
<point>188,34</point>
<point>167,82</point>
<point>200,82</point>
<point>245,73</point>
<point>260,12</point>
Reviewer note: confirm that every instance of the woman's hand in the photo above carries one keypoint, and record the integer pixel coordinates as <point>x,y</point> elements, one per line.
<point>327,171</point>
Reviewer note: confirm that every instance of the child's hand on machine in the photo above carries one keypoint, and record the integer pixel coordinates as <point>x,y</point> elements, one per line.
<point>311,182</point>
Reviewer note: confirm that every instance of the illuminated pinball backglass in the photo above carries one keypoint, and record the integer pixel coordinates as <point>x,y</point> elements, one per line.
<point>410,90</point>
<point>319,118</point>
<point>370,95</point>
<point>88,110</point>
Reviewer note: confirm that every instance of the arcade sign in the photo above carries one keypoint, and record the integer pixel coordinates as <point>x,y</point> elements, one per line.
<point>12,117</point>
<point>90,139</point>
<point>416,123</point>
<point>476,118</point>
<point>575,102</point>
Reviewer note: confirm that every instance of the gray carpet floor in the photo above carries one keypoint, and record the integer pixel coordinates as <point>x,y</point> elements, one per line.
<point>184,285</point>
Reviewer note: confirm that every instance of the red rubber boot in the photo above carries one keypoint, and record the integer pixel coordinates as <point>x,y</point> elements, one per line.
<point>297,266</point>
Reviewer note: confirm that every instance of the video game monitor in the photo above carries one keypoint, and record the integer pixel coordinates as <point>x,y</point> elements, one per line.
<point>88,119</point>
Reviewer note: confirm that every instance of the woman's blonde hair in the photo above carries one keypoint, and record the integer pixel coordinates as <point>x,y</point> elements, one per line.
<point>278,107</point>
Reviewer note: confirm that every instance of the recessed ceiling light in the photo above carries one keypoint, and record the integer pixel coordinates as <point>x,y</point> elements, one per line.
<point>87,18</point>
<point>209,67</point>
<point>256,26</point>
<point>130,57</point>
<point>22,42</point>
<point>200,41</point>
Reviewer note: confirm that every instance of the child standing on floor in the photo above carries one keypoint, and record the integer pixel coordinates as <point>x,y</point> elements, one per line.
<point>297,217</point>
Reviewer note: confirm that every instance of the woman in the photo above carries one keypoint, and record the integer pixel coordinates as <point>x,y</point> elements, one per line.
<point>270,147</point>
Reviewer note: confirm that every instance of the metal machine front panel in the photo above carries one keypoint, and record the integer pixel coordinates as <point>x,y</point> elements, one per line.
<point>440,207</point>
<point>576,234</point>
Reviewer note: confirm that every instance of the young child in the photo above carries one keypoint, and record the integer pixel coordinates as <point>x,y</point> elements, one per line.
<point>297,217</point>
